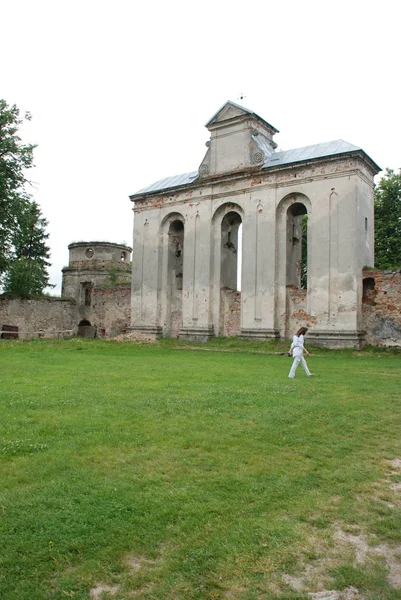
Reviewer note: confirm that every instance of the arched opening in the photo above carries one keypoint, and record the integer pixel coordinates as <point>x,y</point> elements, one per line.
<point>369,291</point>
<point>226,275</point>
<point>297,246</point>
<point>239,259</point>
<point>304,252</point>
<point>86,293</point>
<point>84,323</point>
<point>175,268</point>
<point>85,329</point>
<point>230,251</point>
<point>230,274</point>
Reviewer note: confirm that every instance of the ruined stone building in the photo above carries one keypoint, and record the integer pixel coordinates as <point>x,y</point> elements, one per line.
<point>95,271</point>
<point>255,243</point>
<point>95,297</point>
<point>188,231</point>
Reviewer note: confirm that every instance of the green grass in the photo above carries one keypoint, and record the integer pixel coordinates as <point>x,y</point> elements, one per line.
<point>183,474</point>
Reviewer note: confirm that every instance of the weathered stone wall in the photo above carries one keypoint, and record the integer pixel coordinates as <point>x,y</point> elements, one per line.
<point>37,317</point>
<point>296,308</point>
<point>176,323</point>
<point>381,307</point>
<point>230,317</point>
<point>110,312</point>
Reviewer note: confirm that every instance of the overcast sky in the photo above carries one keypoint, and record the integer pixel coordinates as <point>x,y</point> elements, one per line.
<point>120,91</point>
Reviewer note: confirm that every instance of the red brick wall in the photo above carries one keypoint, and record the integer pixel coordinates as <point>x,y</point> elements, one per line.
<point>230,312</point>
<point>381,307</point>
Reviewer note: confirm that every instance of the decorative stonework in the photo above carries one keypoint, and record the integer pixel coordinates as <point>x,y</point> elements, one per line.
<point>258,157</point>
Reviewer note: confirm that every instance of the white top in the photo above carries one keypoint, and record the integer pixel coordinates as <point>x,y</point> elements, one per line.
<point>297,345</point>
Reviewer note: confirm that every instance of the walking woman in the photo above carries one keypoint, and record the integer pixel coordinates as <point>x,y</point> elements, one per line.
<point>297,350</point>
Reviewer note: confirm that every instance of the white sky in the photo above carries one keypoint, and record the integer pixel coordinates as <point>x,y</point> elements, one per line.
<point>120,91</point>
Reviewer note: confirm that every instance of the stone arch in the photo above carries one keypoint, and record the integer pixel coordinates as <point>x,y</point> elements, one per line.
<point>85,329</point>
<point>293,241</point>
<point>173,242</point>
<point>84,323</point>
<point>226,267</point>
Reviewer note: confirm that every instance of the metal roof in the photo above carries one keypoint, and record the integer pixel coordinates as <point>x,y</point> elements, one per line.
<point>309,153</point>
<point>276,159</point>
<point>169,182</point>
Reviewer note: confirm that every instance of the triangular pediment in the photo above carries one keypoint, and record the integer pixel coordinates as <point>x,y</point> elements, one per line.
<point>228,111</point>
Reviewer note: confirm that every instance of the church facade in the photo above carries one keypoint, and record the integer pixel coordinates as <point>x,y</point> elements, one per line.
<point>293,229</point>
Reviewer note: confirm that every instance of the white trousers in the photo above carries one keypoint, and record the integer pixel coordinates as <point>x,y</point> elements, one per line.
<point>299,359</point>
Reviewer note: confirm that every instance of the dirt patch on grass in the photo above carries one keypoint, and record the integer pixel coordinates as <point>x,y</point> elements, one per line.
<point>134,336</point>
<point>98,592</point>
<point>350,593</point>
<point>355,547</point>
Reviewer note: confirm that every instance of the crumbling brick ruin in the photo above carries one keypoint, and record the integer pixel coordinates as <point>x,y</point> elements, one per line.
<point>255,243</point>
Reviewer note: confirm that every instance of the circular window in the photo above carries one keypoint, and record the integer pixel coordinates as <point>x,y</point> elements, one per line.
<point>89,253</point>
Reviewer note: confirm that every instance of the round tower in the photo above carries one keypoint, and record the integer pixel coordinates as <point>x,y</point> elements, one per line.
<point>94,264</point>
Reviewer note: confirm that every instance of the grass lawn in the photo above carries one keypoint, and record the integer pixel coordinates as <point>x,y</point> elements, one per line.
<point>150,472</point>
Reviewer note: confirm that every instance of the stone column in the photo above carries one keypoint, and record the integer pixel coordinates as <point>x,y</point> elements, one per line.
<point>145,274</point>
<point>196,317</point>
<point>258,269</point>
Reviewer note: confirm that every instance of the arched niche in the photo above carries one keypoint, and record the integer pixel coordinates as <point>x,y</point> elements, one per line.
<point>293,219</point>
<point>227,222</point>
<point>297,246</point>
<point>173,229</point>
<point>293,238</point>
<point>227,263</point>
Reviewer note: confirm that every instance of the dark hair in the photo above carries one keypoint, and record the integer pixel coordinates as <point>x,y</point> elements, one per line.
<point>301,331</point>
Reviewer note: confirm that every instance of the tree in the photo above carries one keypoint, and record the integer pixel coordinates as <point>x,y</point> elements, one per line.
<point>27,271</point>
<point>22,229</point>
<point>388,221</point>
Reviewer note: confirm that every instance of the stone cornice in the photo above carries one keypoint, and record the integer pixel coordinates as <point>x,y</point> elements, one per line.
<point>258,180</point>
<point>157,197</point>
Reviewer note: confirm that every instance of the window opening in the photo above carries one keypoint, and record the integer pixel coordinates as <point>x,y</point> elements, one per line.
<point>297,246</point>
<point>231,251</point>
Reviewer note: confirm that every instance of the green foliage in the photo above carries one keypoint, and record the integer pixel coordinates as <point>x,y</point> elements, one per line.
<point>388,221</point>
<point>22,228</point>
<point>27,272</point>
<point>119,274</point>
<point>208,475</point>
<point>25,277</point>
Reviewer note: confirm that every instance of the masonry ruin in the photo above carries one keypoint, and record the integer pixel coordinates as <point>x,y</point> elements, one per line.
<point>303,219</point>
<point>95,300</point>
<point>255,243</point>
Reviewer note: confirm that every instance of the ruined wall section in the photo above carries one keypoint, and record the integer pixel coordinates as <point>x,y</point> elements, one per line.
<point>381,307</point>
<point>39,317</point>
<point>111,309</point>
<point>230,313</point>
<point>110,314</point>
